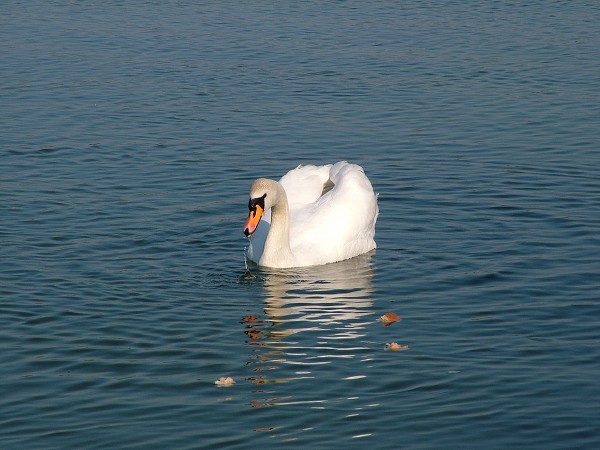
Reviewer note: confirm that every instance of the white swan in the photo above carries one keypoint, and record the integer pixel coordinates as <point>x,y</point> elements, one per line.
<point>308,224</point>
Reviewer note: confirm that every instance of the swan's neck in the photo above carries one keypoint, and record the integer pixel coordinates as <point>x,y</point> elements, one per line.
<point>277,251</point>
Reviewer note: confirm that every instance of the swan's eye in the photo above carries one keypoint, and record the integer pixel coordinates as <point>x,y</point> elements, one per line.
<point>260,201</point>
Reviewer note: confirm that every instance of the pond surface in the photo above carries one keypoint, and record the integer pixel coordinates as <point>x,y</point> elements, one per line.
<point>131,132</point>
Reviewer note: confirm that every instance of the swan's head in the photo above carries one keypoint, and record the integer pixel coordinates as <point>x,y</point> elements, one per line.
<point>262,195</point>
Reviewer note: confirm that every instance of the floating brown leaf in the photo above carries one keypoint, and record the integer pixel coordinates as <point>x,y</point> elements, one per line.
<point>389,318</point>
<point>395,347</point>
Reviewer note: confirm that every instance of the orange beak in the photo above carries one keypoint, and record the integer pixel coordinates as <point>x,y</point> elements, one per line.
<point>253,220</point>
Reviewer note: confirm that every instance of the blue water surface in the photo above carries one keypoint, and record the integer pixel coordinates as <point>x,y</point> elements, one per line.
<point>131,131</point>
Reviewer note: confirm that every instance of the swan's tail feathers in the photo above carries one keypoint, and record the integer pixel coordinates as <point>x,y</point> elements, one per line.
<point>340,169</point>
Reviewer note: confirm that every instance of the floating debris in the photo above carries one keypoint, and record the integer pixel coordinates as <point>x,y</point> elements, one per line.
<point>253,333</point>
<point>249,319</point>
<point>389,318</point>
<point>225,381</point>
<point>395,347</point>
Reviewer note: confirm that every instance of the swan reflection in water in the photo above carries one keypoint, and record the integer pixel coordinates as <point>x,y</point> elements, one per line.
<point>313,316</point>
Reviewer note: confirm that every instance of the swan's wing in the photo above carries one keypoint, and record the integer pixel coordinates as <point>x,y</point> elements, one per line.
<point>339,224</point>
<point>304,185</point>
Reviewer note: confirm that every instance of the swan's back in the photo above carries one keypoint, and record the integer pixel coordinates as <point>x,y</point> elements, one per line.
<point>304,184</point>
<point>333,226</point>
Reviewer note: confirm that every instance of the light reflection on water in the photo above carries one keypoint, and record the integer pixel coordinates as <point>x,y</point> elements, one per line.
<point>313,317</point>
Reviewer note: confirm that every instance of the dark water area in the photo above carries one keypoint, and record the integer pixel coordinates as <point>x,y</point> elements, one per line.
<point>131,132</point>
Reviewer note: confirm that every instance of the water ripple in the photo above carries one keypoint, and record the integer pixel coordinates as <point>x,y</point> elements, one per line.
<point>131,134</point>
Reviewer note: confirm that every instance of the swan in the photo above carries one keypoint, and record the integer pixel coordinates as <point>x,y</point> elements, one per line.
<point>313,215</point>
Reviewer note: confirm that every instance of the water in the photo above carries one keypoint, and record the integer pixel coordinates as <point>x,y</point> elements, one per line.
<point>131,132</point>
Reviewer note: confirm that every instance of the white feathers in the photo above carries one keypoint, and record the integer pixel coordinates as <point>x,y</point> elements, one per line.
<point>308,227</point>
